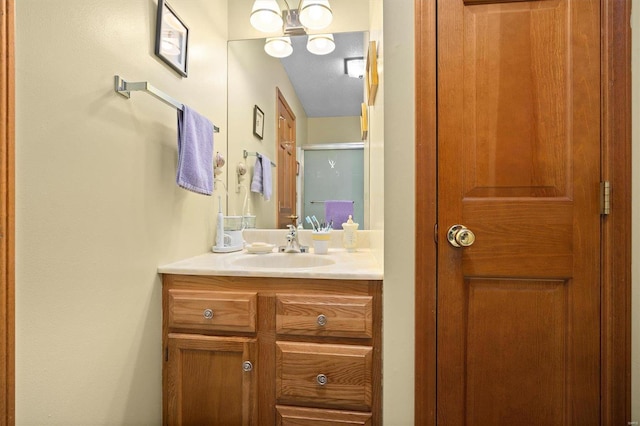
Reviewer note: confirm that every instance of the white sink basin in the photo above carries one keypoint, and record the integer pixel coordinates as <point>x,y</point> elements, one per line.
<point>282,261</point>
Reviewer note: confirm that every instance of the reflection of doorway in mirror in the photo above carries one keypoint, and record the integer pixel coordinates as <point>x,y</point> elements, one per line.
<point>332,172</point>
<point>287,163</point>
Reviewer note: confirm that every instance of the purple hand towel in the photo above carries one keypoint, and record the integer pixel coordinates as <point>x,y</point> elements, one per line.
<point>261,181</point>
<point>195,152</point>
<point>338,211</point>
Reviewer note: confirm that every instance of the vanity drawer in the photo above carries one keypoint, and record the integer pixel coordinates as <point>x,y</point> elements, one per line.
<point>324,315</point>
<point>324,375</point>
<point>212,310</point>
<point>298,416</point>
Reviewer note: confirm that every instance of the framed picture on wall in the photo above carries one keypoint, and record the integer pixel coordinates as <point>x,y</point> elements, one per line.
<point>172,38</point>
<point>371,73</point>
<point>258,121</point>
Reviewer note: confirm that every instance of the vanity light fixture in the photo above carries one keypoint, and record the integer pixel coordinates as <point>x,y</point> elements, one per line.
<point>354,67</point>
<point>321,44</point>
<point>266,16</point>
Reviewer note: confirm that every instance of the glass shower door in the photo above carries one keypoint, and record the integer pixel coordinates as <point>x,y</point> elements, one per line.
<point>332,174</point>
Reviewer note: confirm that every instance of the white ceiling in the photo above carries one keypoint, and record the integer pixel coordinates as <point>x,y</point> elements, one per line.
<point>320,81</point>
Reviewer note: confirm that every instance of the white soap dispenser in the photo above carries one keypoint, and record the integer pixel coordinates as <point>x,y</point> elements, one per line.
<point>350,235</point>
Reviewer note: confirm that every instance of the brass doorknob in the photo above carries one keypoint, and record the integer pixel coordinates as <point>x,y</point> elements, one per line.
<point>460,236</point>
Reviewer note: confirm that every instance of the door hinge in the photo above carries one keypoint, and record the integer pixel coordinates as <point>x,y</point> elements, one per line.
<point>605,197</point>
<point>166,354</point>
<point>435,233</point>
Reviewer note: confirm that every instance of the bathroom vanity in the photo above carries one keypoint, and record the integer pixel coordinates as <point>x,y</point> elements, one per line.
<point>262,345</point>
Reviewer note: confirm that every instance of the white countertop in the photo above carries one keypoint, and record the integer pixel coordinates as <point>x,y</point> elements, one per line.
<point>359,265</point>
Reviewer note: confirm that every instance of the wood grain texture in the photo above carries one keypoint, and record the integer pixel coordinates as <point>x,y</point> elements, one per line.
<point>342,296</point>
<point>7,214</point>
<point>616,255</point>
<point>232,311</point>
<point>344,316</point>
<point>616,296</point>
<point>426,195</point>
<point>297,416</point>
<point>286,164</point>
<point>206,383</point>
<point>519,164</point>
<point>348,369</point>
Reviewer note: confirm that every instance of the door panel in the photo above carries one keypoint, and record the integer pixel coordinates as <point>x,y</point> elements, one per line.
<point>511,315</point>
<point>287,163</point>
<point>519,164</point>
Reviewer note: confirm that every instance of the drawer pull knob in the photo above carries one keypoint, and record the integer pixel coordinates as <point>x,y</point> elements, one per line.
<point>322,320</point>
<point>322,379</point>
<point>208,313</point>
<point>247,366</point>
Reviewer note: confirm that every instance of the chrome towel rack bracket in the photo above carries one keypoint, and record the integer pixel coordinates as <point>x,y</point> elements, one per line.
<point>124,88</point>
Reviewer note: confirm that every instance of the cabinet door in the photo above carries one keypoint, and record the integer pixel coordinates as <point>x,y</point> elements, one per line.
<point>209,380</point>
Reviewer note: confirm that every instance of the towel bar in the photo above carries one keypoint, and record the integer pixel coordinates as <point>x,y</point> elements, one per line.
<point>125,88</point>
<point>246,153</point>
<point>322,202</point>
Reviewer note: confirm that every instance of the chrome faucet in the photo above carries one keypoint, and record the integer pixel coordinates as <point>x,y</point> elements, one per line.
<point>293,245</point>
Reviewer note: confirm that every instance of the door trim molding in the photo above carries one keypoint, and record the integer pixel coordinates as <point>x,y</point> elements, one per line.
<point>616,227</point>
<point>426,213</point>
<point>616,238</point>
<point>7,215</point>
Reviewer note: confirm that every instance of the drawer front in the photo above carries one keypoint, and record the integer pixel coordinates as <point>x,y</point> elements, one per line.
<point>298,416</point>
<point>324,315</point>
<point>324,375</point>
<point>212,310</point>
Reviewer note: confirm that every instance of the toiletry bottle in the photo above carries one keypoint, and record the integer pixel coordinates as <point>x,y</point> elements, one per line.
<point>350,235</point>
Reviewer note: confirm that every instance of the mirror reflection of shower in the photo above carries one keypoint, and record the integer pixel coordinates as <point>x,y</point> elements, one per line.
<point>331,172</point>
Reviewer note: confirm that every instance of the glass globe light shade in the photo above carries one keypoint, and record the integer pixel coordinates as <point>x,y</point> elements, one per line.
<point>321,44</point>
<point>315,14</point>
<point>265,16</point>
<point>278,47</point>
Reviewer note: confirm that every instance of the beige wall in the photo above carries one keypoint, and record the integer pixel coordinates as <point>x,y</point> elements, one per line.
<point>333,130</point>
<point>97,206</point>
<point>635,263</point>
<point>393,192</point>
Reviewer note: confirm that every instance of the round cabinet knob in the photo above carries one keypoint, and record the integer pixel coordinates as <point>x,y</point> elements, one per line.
<point>322,320</point>
<point>247,366</point>
<point>208,313</point>
<point>321,379</point>
<point>460,236</point>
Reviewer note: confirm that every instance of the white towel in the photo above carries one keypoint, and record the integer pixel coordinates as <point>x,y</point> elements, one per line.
<point>261,182</point>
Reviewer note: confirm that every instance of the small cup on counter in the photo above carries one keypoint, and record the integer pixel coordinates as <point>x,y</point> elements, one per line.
<point>320,242</point>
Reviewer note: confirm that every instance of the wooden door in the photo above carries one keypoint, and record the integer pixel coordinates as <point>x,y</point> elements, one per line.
<point>7,217</point>
<point>207,382</point>
<point>519,164</point>
<point>287,163</point>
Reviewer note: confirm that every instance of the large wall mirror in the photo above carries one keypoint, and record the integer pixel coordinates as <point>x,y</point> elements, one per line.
<point>310,130</point>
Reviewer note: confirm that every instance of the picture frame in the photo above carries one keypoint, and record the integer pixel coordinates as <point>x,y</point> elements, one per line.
<point>172,38</point>
<point>371,73</point>
<point>258,122</point>
<point>364,121</point>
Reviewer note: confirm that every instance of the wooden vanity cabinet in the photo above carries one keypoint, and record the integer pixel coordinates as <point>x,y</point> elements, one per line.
<point>271,351</point>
